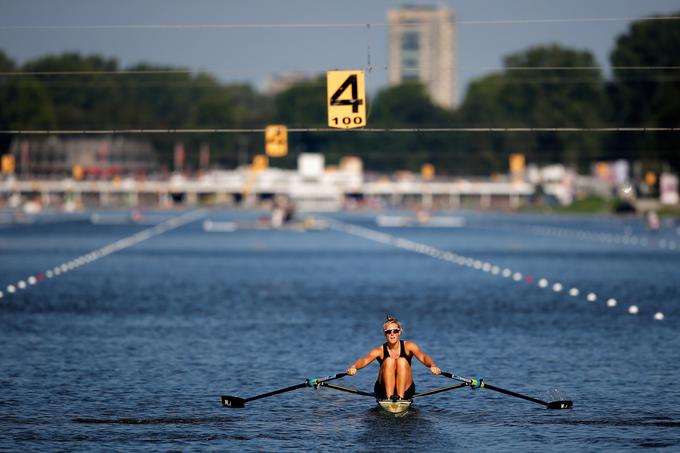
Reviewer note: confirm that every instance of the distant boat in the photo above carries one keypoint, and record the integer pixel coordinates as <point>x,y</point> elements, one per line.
<point>309,224</point>
<point>31,207</point>
<point>653,222</point>
<point>211,226</point>
<point>421,221</point>
<point>116,218</point>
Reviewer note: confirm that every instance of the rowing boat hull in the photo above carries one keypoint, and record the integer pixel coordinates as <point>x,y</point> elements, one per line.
<point>395,407</point>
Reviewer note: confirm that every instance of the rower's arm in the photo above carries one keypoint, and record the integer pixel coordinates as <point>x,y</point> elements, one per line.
<point>364,361</point>
<point>424,358</point>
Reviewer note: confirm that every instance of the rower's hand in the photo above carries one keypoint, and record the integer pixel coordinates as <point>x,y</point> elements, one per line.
<point>435,370</point>
<point>351,371</point>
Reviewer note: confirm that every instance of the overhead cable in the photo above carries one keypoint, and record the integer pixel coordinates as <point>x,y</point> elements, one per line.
<point>219,71</point>
<point>324,129</point>
<point>325,25</point>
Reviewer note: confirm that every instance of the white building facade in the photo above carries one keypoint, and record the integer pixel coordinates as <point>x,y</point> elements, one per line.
<point>423,47</point>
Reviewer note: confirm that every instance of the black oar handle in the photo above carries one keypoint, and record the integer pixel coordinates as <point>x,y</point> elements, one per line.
<point>443,389</point>
<point>276,392</point>
<point>346,389</point>
<point>234,401</point>
<point>517,395</point>
<point>475,383</point>
<point>311,382</point>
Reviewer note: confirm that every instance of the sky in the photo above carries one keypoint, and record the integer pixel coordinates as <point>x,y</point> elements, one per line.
<point>308,36</point>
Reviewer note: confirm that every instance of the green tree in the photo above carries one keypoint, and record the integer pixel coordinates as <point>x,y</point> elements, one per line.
<point>6,65</point>
<point>80,101</point>
<point>407,106</point>
<point>559,98</point>
<point>535,90</point>
<point>303,105</point>
<point>484,152</point>
<point>25,102</point>
<point>231,106</point>
<point>648,97</point>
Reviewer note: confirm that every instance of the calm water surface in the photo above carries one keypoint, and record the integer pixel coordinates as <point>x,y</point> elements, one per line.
<point>132,351</point>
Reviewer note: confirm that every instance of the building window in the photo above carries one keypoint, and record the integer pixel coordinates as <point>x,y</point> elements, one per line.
<point>410,40</point>
<point>410,63</point>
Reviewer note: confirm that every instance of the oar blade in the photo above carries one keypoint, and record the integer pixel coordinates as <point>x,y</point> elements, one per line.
<point>233,402</point>
<point>564,404</point>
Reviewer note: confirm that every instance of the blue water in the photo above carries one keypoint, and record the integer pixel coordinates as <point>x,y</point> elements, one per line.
<point>133,350</point>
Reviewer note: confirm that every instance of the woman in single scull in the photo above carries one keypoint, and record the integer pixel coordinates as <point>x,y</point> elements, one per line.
<point>395,378</point>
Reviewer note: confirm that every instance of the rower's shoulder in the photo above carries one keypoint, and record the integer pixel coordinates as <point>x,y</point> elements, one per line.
<point>411,345</point>
<point>377,350</point>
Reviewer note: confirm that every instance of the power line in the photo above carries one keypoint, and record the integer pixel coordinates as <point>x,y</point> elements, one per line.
<point>122,72</point>
<point>326,25</point>
<point>581,68</point>
<point>178,26</point>
<point>221,71</point>
<point>364,130</point>
<point>567,20</point>
<point>190,84</point>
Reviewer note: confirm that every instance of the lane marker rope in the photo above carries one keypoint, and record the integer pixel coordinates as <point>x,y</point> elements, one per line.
<point>472,263</point>
<point>117,246</point>
<point>608,238</point>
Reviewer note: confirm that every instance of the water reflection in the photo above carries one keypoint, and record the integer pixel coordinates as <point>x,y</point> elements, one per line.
<point>414,429</point>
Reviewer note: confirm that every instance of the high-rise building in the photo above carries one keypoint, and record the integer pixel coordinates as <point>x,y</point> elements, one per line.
<point>422,47</point>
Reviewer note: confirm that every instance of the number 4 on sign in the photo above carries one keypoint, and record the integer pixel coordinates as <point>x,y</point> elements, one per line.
<point>346,99</point>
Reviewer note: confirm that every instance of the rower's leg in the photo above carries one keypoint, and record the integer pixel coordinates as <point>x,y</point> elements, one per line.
<point>404,376</point>
<point>388,375</point>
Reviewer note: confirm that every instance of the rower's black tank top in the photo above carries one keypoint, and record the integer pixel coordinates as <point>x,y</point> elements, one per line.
<point>402,352</point>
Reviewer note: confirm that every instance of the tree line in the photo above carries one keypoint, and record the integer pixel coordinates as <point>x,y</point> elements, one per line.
<point>541,87</point>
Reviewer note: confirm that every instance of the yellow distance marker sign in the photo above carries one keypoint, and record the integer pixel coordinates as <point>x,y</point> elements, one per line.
<point>276,140</point>
<point>346,99</point>
<point>7,164</point>
<point>260,162</point>
<point>427,172</point>
<point>77,172</point>
<point>517,163</point>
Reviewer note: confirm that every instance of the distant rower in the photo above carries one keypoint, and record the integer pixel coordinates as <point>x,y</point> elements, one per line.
<point>395,379</point>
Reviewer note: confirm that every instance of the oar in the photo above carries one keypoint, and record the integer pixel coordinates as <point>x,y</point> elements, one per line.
<point>443,389</point>
<point>417,395</point>
<point>477,383</point>
<point>347,389</point>
<point>236,402</point>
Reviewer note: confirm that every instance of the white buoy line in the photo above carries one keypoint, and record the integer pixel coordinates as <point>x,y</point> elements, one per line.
<point>121,244</point>
<point>460,260</point>
<point>608,238</point>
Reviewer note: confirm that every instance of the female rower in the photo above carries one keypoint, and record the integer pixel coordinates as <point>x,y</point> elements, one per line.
<point>395,379</point>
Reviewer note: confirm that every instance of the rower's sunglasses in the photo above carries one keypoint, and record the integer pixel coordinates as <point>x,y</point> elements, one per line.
<point>395,331</point>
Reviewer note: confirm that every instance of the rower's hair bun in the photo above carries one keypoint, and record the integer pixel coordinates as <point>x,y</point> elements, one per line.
<point>390,319</point>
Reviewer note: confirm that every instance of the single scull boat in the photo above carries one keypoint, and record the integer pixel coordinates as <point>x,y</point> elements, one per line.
<point>394,406</point>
